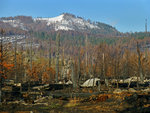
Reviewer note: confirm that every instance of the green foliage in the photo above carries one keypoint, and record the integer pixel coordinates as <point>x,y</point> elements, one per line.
<point>41,35</point>
<point>140,35</point>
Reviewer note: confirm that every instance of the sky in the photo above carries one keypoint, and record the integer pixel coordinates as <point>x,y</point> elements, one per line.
<point>124,15</point>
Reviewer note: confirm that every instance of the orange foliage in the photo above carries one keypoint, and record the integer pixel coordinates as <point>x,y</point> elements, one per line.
<point>8,66</point>
<point>109,71</point>
<point>50,73</point>
<point>45,77</point>
<point>33,74</point>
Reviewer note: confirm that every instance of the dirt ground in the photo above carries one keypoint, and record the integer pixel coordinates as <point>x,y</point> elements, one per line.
<point>123,102</point>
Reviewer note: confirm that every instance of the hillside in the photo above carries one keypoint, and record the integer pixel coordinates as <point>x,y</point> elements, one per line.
<point>64,22</point>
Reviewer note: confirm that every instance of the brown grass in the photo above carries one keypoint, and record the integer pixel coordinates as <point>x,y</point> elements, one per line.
<point>73,102</point>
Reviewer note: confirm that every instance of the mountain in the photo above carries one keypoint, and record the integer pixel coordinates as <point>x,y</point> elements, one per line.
<point>67,22</point>
<point>64,22</point>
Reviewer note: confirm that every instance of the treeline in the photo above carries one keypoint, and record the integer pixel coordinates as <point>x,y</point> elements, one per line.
<point>120,59</point>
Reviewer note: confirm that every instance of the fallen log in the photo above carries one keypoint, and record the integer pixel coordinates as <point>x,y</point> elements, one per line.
<point>58,86</point>
<point>65,96</point>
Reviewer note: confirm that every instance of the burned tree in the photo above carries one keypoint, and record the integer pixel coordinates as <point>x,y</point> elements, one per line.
<point>139,65</point>
<point>73,75</point>
<point>50,49</point>
<point>5,61</point>
<point>79,64</point>
<point>1,61</point>
<point>86,45</point>
<point>57,57</point>
<point>15,59</point>
<point>30,65</point>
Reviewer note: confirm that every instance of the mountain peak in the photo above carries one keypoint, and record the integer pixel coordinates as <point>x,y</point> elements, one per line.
<point>69,14</point>
<point>67,21</point>
<point>53,19</point>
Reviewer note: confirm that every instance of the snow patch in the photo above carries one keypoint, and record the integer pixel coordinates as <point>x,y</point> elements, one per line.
<point>15,23</point>
<point>51,20</point>
<point>65,22</point>
<point>62,28</point>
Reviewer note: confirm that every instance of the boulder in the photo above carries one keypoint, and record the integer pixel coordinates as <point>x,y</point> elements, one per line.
<point>69,82</point>
<point>90,82</point>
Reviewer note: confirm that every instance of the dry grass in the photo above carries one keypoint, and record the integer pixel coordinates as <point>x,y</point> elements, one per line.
<point>73,102</point>
<point>147,105</point>
<point>103,107</point>
<point>24,112</point>
<point>4,112</point>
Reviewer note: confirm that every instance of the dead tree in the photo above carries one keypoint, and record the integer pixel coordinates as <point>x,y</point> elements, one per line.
<point>139,65</point>
<point>86,56</point>
<point>1,61</point>
<point>79,64</point>
<point>73,75</point>
<point>50,52</point>
<point>126,67</point>
<point>22,68</point>
<point>104,72</point>
<point>15,59</point>
<point>31,42</point>
<point>117,65</point>
<point>57,57</point>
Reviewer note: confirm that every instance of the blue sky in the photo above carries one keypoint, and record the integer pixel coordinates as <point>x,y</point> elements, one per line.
<point>125,15</point>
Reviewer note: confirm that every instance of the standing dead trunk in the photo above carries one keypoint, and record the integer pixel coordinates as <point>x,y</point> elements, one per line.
<point>57,57</point>
<point>105,78</point>
<point>62,69</point>
<point>73,75</point>
<point>126,69</point>
<point>118,74</point>
<point>30,64</point>
<point>139,66</point>
<point>79,64</point>
<point>1,61</point>
<point>86,56</point>
<point>115,72</point>
<point>99,86</point>
<point>15,59</point>
<point>92,71</point>
<point>22,68</point>
<point>50,52</point>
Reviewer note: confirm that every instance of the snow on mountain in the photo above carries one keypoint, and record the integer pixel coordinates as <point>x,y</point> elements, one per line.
<point>14,23</point>
<point>64,21</point>
<point>51,20</point>
<point>68,22</point>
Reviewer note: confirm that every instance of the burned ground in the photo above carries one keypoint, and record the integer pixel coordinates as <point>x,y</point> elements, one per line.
<point>83,100</point>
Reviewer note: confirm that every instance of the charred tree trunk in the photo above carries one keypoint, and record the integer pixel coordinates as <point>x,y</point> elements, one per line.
<point>31,42</point>
<point>139,66</point>
<point>57,57</point>
<point>50,52</point>
<point>79,64</point>
<point>1,61</point>
<point>86,56</point>
<point>73,75</point>
<point>21,68</point>
<point>104,72</point>
<point>15,59</point>
<point>126,68</point>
